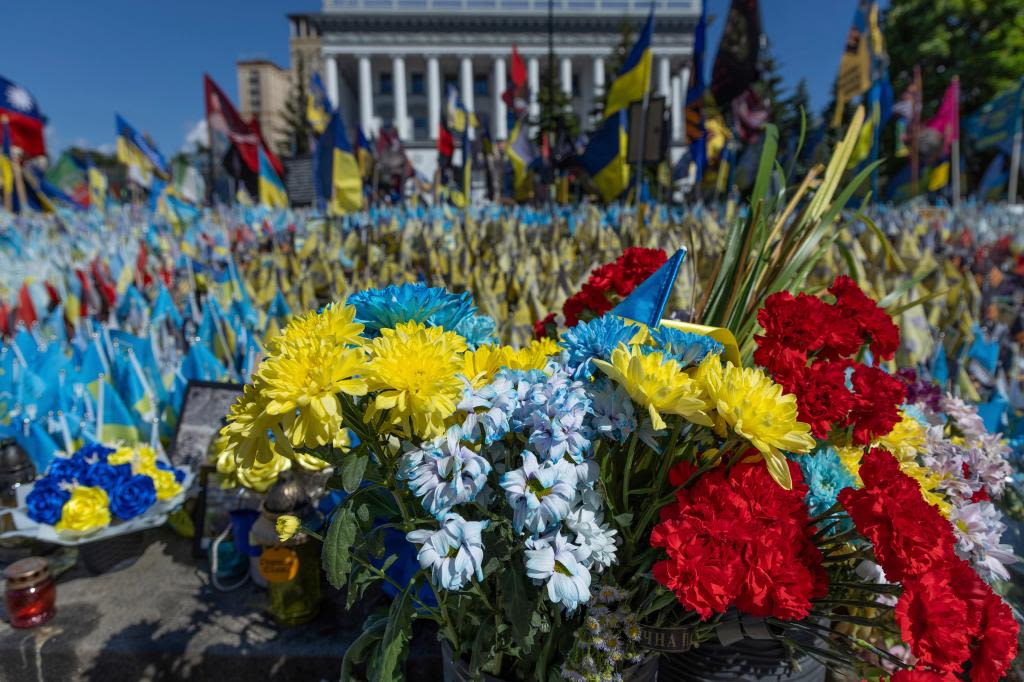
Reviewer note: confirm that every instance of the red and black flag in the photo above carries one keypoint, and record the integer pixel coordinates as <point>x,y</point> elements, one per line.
<point>735,66</point>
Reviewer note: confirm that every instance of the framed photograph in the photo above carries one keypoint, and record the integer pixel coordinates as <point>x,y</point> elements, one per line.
<point>202,415</point>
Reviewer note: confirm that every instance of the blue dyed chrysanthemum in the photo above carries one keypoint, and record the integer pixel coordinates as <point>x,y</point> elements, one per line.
<point>825,476</point>
<point>384,308</point>
<point>478,330</point>
<point>686,348</point>
<point>595,339</point>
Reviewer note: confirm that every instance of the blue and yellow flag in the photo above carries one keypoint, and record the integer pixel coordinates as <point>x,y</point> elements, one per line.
<point>997,121</point>
<point>138,153</point>
<point>634,78</point>
<point>272,192</point>
<point>6,169</point>
<point>318,105</point>
<point>364,153</point>
<point>521,155</point>
<point>97,188</point>
<point>605,157</point>
<point>339,184</point>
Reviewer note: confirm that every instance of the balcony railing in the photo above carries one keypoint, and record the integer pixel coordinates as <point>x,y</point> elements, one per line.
<point>671,7</point>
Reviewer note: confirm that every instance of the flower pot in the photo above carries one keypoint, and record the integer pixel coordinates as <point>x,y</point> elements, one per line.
<point>458,670</point>
<point>746,649</point>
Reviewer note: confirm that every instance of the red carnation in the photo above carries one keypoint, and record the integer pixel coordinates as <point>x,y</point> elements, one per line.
<point>921,675</point>
<point>736,537</point>
<point>793,328</point>
<point>933,620</point>
<point>545,328</point>
<point>909,535</point>
<point>876,408</point>
<point>996,646</point>
<point>637,264</point>
<point>822,397</point>
<point>860,312</point>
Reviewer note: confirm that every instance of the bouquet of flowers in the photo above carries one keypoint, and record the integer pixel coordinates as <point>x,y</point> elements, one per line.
<point>100,489</point>
<point>560,498</point>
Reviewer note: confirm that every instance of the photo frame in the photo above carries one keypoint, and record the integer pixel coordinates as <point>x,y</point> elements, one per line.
<point>202,415</point>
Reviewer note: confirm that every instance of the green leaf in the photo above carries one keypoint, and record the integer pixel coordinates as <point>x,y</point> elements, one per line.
<point>337,554</point>
<point>352,472</point>
<point>356,651</point>
<point>519,606</point>
<point>394,645</point>
<point>624,519</point>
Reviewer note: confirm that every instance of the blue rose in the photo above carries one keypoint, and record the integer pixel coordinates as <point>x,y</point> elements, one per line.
<point>132,497</point>
<point>93,452</point>
<point>46,501</point>
<point>106,476</point>
<point>66,469</point>
<point>179,475</point>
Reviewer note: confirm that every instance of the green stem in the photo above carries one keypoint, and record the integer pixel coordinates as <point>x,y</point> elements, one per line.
<point>384,576</point>
<point>628,472</point>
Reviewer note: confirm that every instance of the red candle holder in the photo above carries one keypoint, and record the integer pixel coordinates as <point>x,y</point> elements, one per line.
<point>30,593</point>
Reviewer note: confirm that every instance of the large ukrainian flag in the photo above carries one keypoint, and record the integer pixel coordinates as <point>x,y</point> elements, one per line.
<point>605,157</point>
<point>272,192</point>
<point>634,78</point>
<point>318,106</point>
<point>136,151</point>
<point>339,181</point>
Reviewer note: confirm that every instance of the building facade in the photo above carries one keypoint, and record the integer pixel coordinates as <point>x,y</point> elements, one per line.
<point>263,89</point>
<point>388,62</point>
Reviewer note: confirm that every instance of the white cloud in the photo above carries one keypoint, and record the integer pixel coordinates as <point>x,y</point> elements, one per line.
<point>51,138</point>
<point>106,148</point>
<point>197,135</point>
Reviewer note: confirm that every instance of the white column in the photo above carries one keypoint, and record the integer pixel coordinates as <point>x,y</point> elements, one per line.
<point>684,82</point>
<point>533,80</point>
<point>401,121</point>
<point>467,83</point>
<point>500,126</point>
<point>366,96</point>
<point>332,79</point>
<point>598,75</point>
<point>664,77</point>
<point>433,96</point>
<point>566,76</point>
<point>676,110</point>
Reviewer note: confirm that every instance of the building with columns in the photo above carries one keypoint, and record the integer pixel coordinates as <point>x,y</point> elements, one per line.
<point>388,62</point>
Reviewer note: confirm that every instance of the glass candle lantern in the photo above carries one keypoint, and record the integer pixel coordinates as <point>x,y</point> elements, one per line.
<point>30,593</point>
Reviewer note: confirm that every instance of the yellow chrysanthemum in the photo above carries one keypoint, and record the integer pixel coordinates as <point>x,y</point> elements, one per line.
<point>333,325</point>
<point>546,346</point>
<point>87,509</point>
<point>756,409</point>
<point>851,456</point>
<point>302,387</point>
<point>534,356</point>
<point>479,366</point>
<point>657,383</point>
<point>415,372</point>
<point>247,425</point>
<point>906,439</point>
<point>407,330</point>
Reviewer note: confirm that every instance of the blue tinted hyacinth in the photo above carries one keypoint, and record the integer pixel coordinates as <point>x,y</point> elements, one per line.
<point>540,495</point>
<point>478,330</point>
<point>489,409</point>
<point>687,348</point>
<point>384,308</point>
<point>595,339</point>
<point>454,553</point>
<point>558,428</point>
<point>825,476</point>
<point>445,473</point>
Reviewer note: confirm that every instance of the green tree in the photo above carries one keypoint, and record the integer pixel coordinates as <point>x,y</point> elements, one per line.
<point>557,113</point>
<point>297,129</point>
<point>982,41</point>
<point>770,87</point>
<point>789,118</point>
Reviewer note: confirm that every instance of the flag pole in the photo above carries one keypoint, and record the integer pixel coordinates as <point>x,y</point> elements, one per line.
<point>1014,166</point>
<point>956,147</point>
<point>915,129</point>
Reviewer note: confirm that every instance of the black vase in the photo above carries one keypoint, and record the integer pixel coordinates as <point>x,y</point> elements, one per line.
<point>749,659</point>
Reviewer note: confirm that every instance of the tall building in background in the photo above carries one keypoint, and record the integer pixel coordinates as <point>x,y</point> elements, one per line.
<point>388,62</point>
<point>263,88</point>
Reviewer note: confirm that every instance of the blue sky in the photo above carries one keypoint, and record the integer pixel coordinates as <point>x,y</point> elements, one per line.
<point>85,60</point>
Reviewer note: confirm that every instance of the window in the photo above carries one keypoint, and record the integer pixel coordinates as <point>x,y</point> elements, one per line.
<point>575,85</point>
<point>450,82</point>
<point>416,85</point>
<point>419,127</point>
<point>386,85</point>
<point>481,85</point>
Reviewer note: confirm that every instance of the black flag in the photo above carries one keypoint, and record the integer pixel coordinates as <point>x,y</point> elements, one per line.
<point>736,62</point>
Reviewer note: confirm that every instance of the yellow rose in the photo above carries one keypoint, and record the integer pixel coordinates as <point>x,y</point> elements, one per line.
<point>123,455</point>
<point>164,482</point>
<point>87,509</point>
